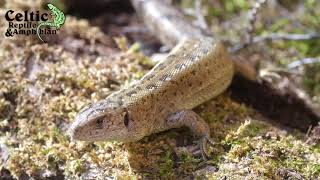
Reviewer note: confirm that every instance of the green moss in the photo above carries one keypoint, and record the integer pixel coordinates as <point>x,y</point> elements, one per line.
<point>166,167</point>
<point>212,117</point>
<point>139,75</point>
<point>256,145</point>
<point>227,9</point>
<point>254,129</point>
<point>188,163</point>
<point>315,169</point>
<point>278,25</point>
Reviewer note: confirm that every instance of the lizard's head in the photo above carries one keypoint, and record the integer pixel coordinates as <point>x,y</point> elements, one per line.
<point>102,121</point>
<point>51,6</point>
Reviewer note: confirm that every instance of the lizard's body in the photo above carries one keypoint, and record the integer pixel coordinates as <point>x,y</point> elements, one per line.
<point>195,71</point>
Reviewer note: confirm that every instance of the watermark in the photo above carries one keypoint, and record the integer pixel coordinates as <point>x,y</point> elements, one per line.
<point>32,23</point>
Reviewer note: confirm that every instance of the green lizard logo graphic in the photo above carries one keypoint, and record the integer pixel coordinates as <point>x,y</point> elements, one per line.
<point>58,20</point>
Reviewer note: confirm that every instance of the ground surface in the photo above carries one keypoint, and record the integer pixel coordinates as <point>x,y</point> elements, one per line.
<point>43,86</point>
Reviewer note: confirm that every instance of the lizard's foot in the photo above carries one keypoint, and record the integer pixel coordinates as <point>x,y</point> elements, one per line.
<point>201,150</point>
<point>197,126</point>
<point>203,142</point>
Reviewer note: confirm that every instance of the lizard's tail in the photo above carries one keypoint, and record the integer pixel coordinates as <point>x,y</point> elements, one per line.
<point>38,29</point>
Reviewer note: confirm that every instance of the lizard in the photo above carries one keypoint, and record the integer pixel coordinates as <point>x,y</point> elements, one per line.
<point>57,22</point>
<point>196,70</point>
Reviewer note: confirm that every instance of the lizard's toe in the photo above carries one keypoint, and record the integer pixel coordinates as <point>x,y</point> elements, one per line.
<point>204,141</point>
<point>200,149</point>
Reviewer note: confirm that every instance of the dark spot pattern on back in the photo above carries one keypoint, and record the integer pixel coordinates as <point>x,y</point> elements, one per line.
<point>131,93</point>
<point>172,56</point>
<point>183,48</point>
<point>204,51</point>
<point>149,77</point>
<point>160,67</point>
<point>151,86</point>
<point>180,66</point>
<point>100,110</point>
<point>120,102</point>
<point>165,77</point>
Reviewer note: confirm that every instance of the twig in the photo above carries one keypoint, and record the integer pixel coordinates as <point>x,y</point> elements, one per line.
<point>202,22</point>
<point>293,37</point>
<point>275,36</point>
<point>252,16</point>
<point>301,62</point>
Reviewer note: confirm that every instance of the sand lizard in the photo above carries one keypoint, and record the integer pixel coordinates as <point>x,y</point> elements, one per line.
<point>196,70</point>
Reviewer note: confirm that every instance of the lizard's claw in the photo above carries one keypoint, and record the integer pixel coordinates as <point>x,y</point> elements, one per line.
<point>203,142</point>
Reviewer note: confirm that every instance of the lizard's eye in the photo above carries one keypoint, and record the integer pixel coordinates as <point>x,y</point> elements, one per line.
<point>126,119</point>
<point>99,123</point>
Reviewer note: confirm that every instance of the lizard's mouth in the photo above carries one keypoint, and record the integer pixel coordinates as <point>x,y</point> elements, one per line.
<point>77,133</point>
<point>80,134</point>
<point>84,132</point>
<point>84,127</point>
<point>77,130</point>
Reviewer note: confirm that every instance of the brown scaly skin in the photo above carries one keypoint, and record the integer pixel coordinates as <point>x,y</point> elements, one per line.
<point>194,72</point>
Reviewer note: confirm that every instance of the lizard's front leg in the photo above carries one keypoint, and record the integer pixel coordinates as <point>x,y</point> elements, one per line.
<point>196,124</point>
